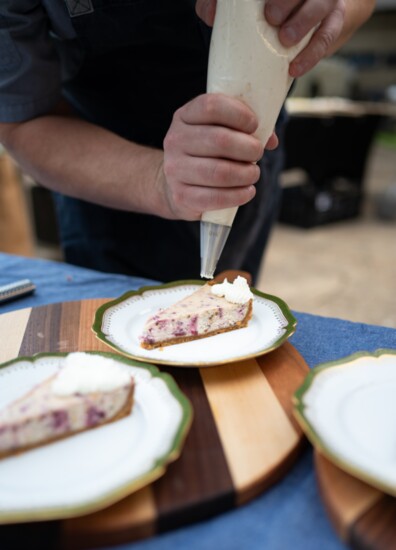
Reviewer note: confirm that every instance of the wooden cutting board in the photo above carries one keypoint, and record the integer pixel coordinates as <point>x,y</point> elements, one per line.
<point>363,517</point>
<point>243,437</point>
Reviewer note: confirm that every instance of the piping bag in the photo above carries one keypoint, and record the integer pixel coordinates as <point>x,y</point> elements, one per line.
<point>246,61</point>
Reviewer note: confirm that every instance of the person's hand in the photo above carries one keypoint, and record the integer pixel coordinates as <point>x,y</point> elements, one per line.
<point>209,156</point>
<point>295,18</point>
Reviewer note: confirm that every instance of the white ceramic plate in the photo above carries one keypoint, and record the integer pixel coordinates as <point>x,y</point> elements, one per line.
<point>119,323</point>
<point>83,473</point>
<point>348,410</point>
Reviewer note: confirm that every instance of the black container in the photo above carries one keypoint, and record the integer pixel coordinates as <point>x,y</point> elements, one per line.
<point>332,151</point>
<point>307,206</point>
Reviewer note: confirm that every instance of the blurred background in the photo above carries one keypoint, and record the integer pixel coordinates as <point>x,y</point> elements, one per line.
<point>333,251</point>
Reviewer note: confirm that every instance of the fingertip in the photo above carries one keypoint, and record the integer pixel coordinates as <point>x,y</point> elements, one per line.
<point>252,190</point>
<point>298,68</point>
<point>294,70</point>
<point>272,143</point>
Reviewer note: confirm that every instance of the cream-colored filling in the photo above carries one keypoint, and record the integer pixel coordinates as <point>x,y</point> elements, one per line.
<point>43,416</point>
<point>200,313</point>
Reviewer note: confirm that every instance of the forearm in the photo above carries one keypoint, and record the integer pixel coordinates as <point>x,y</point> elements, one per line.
<point>208,163</point>
<point>85,161</point>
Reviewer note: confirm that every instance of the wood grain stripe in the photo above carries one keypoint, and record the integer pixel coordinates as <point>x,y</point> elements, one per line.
<point>284,380</point>
<point>255,431</point>
<point>12,327</point>
<point>199,483</point>
<point>87,339</point>
<point>68,330</point>
<point>346,498</point>
<point>377,527</point>
<point>130,519</point>
<point>42,330</point>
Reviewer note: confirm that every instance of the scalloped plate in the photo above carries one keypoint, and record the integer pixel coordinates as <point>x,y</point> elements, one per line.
<point>347,409</point>
<point>119,323</point>
<point>83,473</point>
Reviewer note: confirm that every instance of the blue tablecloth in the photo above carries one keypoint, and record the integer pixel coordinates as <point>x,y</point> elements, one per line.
<point>290,514</point>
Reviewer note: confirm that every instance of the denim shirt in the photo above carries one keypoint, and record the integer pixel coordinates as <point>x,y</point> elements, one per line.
<point>30,69</point>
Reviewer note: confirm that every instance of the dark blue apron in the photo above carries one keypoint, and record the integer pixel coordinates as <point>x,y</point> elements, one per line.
<point>142,60</point>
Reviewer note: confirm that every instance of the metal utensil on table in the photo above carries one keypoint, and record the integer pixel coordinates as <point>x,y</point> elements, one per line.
<point>17,289</point>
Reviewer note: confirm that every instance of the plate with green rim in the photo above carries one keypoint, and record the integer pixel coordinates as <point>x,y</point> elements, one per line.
<point>347,409</point>
<point>83,473</point>
<point>119,323</point>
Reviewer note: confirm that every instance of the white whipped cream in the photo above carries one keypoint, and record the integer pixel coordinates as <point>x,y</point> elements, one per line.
<point>237,292</point>
<point>86,373</point>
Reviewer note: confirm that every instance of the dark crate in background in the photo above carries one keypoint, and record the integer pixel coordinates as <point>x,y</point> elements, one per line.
<point>332,152</point>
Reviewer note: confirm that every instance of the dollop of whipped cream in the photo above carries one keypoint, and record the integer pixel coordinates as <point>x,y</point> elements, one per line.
<point>86,373</point>
<point>237,292</point>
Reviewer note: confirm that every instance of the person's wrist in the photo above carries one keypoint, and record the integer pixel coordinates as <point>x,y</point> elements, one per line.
<point>162,200</point>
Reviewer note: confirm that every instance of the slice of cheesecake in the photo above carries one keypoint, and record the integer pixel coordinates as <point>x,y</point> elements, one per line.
<point>212,309</point>
<point>89,391</point>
